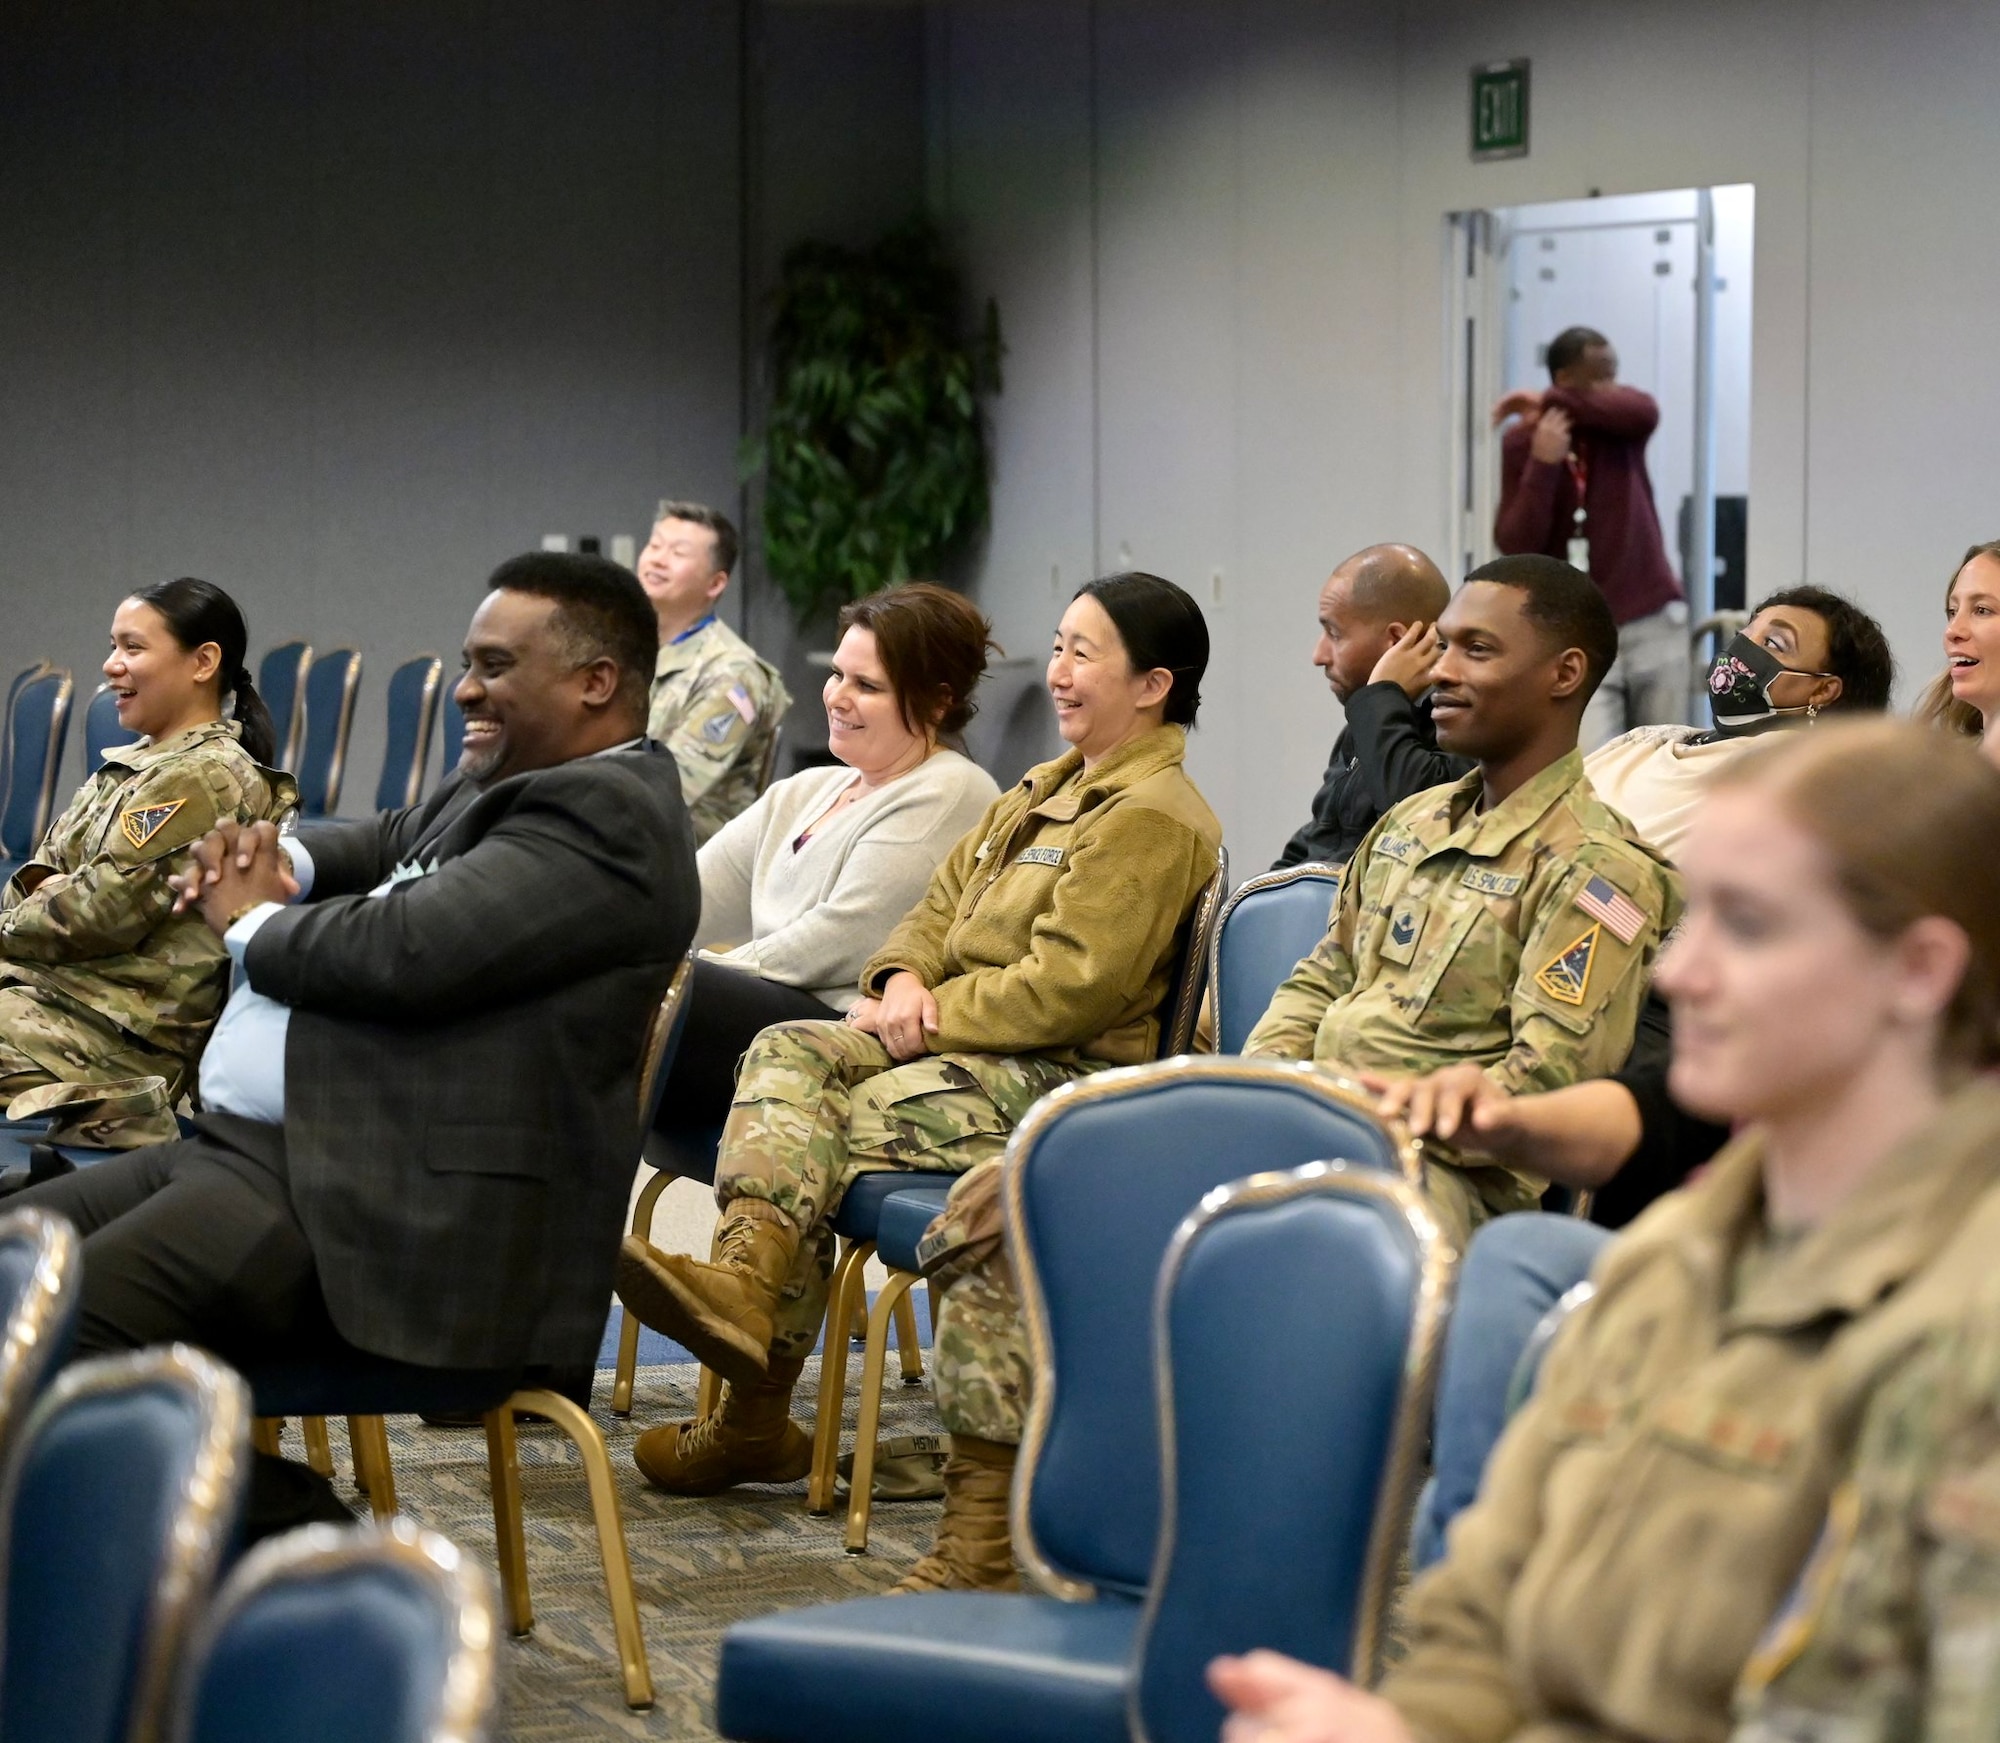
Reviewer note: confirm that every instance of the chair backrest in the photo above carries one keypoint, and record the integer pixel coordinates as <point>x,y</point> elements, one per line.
<point>1528,1365</point>
<point>1265,929</point>
<point>37,725</point>
<point>1097,1178</point>
<point>41,1282</point>
<point>281,682</point>
<point>453,733</point>
<point>1295,1333</point>
<point>382,1634</point>
<point>101,731</point>
<point>1183,1007</point>
<point>329,718</point>
<point>413,706</point>
<point>663,1040</point>
<point>118,1508</point>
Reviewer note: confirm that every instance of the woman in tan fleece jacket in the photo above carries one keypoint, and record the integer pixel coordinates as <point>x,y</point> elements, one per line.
<point>1757,1487</point>
<point>1041,950</point>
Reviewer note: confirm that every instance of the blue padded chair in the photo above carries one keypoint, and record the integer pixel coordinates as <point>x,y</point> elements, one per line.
<point>101,731</point>
<point>329,718</point>
<point>1332,1417</point>
<point>1097,1179</point>
<point>366,1388</point>
<point>1265,928</point>
<point>857,1220</point>
<point>281,682</point>
<point>330,1635</point>
<point>122,1500</point>
<point>453,733</point>
<point>37,725</point>
<point>41,1281</point>
<point>413,707</point>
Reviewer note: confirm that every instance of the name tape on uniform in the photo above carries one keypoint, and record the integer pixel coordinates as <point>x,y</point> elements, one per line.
<point>1040,856</point>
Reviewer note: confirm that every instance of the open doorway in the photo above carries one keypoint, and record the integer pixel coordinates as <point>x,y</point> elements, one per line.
<point>1666,277</point>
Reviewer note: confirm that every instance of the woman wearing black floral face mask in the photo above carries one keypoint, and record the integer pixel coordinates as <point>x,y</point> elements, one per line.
<point>1805,652</point>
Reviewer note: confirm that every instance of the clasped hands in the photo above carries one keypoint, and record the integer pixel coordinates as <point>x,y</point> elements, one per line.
<point>233,867</point>
<point>901,1018</point>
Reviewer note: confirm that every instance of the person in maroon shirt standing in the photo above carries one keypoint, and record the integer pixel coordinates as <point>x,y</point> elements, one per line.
<point>1573,485</point>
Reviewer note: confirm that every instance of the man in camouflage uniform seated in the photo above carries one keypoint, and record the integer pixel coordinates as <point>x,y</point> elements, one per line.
<point>1509,919</point>
<point>716,705</point>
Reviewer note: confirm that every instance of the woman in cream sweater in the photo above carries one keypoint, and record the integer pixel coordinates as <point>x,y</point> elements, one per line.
<point>801,889</point>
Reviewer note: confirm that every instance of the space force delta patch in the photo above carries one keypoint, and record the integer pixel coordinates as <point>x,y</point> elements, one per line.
<point>1567,978</point>
<point>143,822</point>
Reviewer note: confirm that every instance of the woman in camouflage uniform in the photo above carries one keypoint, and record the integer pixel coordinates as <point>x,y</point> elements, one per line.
<point>101,983</point>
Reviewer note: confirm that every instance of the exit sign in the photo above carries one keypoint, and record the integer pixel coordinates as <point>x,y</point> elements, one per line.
<point>1499,110</point>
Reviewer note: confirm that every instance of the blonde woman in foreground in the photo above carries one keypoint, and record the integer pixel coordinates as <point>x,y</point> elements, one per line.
<point>1756,1489</point>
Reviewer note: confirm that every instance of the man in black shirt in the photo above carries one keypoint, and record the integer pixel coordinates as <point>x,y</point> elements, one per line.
<point>1377,645</point>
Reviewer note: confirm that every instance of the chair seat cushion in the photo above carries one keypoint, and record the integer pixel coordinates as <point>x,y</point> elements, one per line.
<point>905,1216</point>
<point>981,1667</point>
<point>861,1205</point>
<point>351,1383</point>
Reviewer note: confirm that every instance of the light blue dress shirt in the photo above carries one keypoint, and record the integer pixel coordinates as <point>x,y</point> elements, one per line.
<point>243,1066</point>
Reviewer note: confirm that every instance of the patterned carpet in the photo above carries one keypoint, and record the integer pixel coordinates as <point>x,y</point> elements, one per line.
<point>699,1565</point>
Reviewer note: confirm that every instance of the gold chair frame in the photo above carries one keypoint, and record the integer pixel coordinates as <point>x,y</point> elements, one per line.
<point>374,1475</point>
<point>427,713</point>
<point>287,753</point>
<point>1176,1035</point>
<point>45,795</point>
<point>1316,870</point>
<point>1403,1472</point>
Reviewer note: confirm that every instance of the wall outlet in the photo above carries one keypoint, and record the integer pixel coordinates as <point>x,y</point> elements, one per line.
<point>624,550</point>
<point>555,541</point>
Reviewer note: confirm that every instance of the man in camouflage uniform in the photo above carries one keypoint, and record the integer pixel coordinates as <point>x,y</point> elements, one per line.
<point>716,705</point>
<point>106,996</point>
<point>1509,920</point>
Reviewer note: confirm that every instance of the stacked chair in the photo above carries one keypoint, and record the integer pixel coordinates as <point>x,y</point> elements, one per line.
<point>413,709</point>
<point>453,735</point>
<point>281,682</point>
<point>1290,1353</point>
<point>328,1635</point>
<point>330,687</point>
<point>37,725</point>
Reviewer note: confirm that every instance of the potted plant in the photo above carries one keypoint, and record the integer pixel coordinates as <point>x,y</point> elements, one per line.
<point>873,452</point>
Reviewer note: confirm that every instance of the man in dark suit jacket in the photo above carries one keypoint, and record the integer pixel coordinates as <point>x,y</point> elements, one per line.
<point>422,1118</point>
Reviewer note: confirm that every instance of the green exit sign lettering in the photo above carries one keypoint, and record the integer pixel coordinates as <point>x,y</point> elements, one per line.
<point>1499,110</point>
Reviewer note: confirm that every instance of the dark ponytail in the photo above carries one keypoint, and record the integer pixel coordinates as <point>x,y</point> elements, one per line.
<point>197,612</point>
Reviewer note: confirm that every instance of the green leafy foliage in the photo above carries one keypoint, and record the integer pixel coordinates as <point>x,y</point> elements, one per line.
<point>874,449</point>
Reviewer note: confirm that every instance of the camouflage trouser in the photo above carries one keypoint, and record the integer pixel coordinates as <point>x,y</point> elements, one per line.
<point>979,1347</point>
<point>42,1043</point>
<point>980,1361</point>
<point>817,1103</point>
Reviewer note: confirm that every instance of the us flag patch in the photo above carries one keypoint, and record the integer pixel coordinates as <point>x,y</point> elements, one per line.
<point>1604,901</point>
<point>143,822</point>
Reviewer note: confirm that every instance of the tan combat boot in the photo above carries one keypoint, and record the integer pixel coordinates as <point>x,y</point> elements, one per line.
<point>974,1552</point>
<point>721,1311</point>
<point>750,1438</point>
